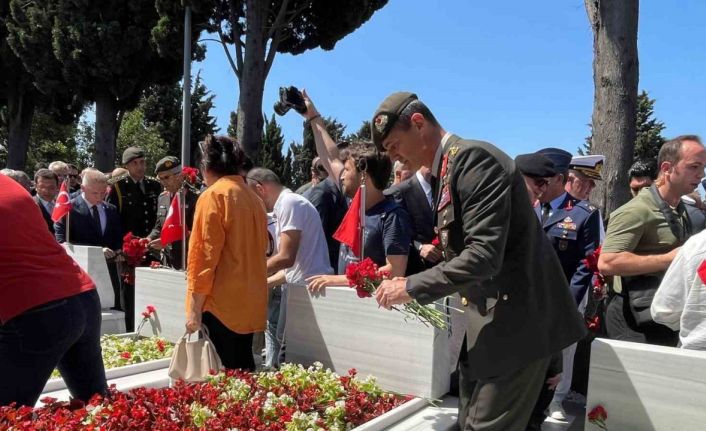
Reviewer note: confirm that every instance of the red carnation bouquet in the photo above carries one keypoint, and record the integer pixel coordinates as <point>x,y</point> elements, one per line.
<point>134,252</point>
<point>365,278</point>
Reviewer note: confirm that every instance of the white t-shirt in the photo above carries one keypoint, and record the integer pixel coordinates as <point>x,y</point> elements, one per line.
<point>295,212</point>
<point>680,301</point>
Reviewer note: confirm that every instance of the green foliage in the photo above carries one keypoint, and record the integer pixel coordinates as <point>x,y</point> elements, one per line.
<point>286,178</point>
<point>135,132</point>
<point>649,137</point>
<point>233,125</point>
<point>270,155</point>
<point>303,154</point>
<point>161,105</point>
<point>363,134</point>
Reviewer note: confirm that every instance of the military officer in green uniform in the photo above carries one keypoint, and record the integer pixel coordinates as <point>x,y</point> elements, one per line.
<point>169,173</point>
<point>519,308</point>
<point>135,195</point>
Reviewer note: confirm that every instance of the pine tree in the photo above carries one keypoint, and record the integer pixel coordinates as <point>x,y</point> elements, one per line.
<point>270,154</point>
<point>363,134</point>
<point>649,138</point>
<point>233,125</point>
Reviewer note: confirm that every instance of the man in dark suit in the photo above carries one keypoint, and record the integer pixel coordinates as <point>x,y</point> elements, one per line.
<point>515,295</point>
<point>415,194</point>
<point>47,187</point>
<point>96,223</point>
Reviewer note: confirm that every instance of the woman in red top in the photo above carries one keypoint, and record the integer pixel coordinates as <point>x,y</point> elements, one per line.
<point>50,311</point>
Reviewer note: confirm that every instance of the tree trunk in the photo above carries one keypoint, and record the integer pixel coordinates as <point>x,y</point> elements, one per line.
<point>252,80</point>
<point>615,78</point>
<point>106,131</point>
<point>21,112</point>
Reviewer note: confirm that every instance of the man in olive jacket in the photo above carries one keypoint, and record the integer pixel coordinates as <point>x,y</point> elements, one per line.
<point>515,296</point>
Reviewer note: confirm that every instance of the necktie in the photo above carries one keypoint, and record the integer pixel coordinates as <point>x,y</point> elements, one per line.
<point>142,186</point>
<point>546,210</point>
<point>96,218</point>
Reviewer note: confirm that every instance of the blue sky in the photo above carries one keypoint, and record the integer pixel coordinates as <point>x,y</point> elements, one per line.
<point>515,73</point>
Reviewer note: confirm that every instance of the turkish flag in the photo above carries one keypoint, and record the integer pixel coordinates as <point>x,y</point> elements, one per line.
<point>172,227</point>
<point>349,231</point>
<point>62,205</point>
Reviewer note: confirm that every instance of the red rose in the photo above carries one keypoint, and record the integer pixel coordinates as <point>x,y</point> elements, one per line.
<point>151,309</point>
<point>598,414</point>
<point>126,355</point>
<point>160,345</point>
<point>146,315</point>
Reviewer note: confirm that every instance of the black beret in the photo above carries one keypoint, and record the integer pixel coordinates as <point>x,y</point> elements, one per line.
<point>167,163</point>
<point>560,158</point>
<point>132,153</point>
<point>387,114</point>
<point>535,165</point>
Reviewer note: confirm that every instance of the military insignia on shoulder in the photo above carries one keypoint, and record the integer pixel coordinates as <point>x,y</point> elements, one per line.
<point>381,123</point>
<point>114,180</point>
<point>453,150</point>
<point>445,198</point>
<point>568,220</point>
<point>591,207</point>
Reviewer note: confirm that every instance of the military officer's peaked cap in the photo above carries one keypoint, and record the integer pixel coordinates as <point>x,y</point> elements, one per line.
<point>590,166</point>
<point>132,153</point>
<point>167,164</point>
<point>560,158</point>
<point>535,165</point>
<point>387,115</point>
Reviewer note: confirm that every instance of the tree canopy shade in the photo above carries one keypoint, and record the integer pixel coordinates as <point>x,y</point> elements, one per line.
<point>19,96</point>
<point>258,29</point>
<point>107,52</point>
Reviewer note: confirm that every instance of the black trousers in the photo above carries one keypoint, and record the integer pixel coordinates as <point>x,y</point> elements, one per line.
<point>127,302</point>
<point>621,326</point>
<point>499,403</point>
<point>235,350</point>
<point>64,333</point>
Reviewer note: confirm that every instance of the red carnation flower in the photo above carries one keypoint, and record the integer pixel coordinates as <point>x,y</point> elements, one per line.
<point>126,355</point>
<point>151,309</point>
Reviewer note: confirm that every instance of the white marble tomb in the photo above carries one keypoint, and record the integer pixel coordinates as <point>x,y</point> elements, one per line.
<point>343,331</point>
<point>165,289</point>
<point>92,260</point>
<point>647,388</point>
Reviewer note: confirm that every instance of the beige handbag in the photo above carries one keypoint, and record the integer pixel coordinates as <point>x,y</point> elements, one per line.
<point>193,361</point>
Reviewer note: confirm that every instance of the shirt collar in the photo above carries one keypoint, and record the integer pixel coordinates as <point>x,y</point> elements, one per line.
<point>423,182</point>
<point>45,203</point>
<point>279,198</point>
<point>88,204</point>
<point>557,201</point>
<point>439,151</point>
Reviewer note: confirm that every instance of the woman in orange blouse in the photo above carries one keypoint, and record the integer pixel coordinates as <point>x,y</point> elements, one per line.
<point>226,272</point>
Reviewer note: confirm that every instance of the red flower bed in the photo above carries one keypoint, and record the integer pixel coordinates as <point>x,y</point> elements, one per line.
<point>288,400</point>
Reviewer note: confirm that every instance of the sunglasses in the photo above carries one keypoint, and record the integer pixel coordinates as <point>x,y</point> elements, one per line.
<point>540,182</point>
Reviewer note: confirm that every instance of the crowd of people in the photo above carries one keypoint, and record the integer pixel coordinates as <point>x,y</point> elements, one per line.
<point>507,240</point>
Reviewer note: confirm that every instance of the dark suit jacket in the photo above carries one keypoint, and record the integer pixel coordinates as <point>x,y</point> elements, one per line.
<point>331,205</point>
<point>495,248</point>
<point>45,214</point>
<point>410,195</point>
<point>84,231</point>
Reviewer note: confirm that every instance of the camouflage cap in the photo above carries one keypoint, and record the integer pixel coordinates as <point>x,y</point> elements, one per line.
<point>132,153</point>
<point>166,164</point>
<point>387,115</point>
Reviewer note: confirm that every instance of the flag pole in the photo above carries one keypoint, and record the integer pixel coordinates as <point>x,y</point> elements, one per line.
<point>362,215</point>
<point>68,214</point>
<point>182,215</point>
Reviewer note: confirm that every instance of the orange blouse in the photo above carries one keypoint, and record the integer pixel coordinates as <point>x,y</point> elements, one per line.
<point>227,251</point>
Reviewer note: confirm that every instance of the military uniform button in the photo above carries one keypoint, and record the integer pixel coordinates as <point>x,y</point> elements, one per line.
<point>145,212</point>
<point>144,203</point>
<point>505,297</point>
<point>464,301</point>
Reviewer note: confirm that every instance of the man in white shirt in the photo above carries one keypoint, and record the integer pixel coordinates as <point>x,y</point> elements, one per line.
<point>301,247</point>
<point>680,301</point>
